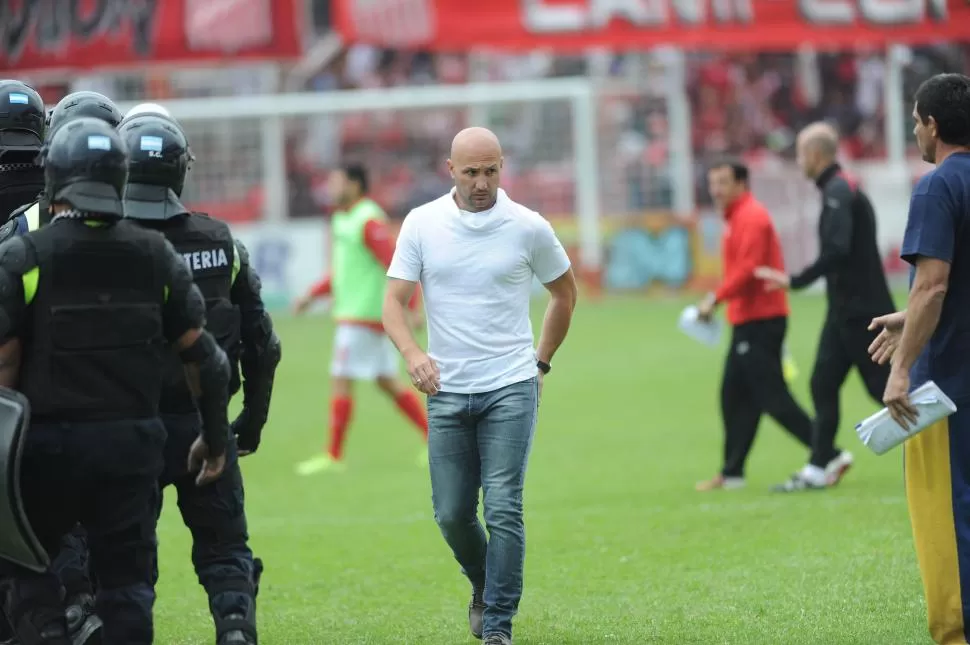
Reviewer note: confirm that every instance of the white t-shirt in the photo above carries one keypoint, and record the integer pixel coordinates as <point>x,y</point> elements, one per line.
<point>476,272</point>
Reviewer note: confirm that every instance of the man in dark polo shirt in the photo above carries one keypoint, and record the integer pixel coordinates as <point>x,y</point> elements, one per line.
<point>930,341</point>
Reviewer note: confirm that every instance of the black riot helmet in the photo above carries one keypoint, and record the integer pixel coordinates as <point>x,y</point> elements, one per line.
<point>86,166</point>
<point>22,118</point>
<point>159,159</point>
<point>84,104</point>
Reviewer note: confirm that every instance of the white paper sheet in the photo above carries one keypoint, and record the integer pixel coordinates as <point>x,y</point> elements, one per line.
<point>881,433</point>
<point>690,323</point>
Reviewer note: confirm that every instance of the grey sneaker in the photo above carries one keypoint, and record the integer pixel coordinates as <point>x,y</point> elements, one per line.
<point>497,639</point>
<point>476,612</point>
<point>83,624</point>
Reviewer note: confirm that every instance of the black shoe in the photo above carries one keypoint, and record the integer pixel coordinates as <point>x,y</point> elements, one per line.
<point>476,612</point>
<point>257,574</point>
<point>83,624</point>
<point>237,636</point>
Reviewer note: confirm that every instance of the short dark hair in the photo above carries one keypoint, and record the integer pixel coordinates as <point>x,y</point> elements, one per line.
<point>357,173</point>
<point>946,98</point>
<point>738,168</point>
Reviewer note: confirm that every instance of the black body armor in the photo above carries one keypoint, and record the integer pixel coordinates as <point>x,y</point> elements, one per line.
<point>97,324</point>
<point>208,249</point>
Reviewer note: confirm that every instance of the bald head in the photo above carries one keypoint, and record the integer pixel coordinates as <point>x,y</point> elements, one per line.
<point>475,141</point>
<point>823,137</point>
<point>476,159</point>
<point>817,147</point>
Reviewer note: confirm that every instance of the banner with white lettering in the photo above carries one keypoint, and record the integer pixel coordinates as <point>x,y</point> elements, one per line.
<point>89,34</point>
<point>575,25</point>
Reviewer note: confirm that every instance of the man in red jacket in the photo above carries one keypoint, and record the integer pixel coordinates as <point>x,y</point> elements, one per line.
<point>753,382</point>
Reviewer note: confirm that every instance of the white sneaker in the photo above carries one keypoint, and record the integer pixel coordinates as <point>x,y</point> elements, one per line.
<point>808,478</point>
<point>836,469</point>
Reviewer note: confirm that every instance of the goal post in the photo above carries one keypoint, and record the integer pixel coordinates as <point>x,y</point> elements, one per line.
<point>264,119</point>
<point>605,160</point>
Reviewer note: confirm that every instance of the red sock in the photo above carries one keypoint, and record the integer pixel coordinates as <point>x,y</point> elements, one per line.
<point>340,409</point>
<point>409,403</point>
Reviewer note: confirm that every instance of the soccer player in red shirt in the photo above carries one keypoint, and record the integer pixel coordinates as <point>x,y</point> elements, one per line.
<point>362,250</point>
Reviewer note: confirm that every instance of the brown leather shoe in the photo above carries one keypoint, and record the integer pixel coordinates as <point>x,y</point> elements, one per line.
<point>720,482</point>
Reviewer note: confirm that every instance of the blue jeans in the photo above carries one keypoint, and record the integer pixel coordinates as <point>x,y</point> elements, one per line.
<point>482,441</point>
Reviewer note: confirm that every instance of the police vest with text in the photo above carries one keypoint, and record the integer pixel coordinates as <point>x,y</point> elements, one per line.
<point>95,340</point>
<point>209,251</point>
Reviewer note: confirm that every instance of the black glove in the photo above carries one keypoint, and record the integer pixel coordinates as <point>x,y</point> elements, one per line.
<point>248,431</point>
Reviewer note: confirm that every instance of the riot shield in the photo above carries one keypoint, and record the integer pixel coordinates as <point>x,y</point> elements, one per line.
<point>18,544</point>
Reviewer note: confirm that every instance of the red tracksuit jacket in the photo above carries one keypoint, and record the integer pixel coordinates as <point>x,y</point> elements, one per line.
<point>750,241</point>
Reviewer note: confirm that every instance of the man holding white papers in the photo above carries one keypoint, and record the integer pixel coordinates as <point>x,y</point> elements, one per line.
<point>934,344</point>
<point>753,382</point>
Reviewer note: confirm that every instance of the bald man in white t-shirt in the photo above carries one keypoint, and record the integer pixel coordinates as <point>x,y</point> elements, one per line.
<point>476,253</point>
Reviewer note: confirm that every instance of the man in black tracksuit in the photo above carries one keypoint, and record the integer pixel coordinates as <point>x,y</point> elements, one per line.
<point>236,317</point>
<point>91,305</point>
<point>857,292</point>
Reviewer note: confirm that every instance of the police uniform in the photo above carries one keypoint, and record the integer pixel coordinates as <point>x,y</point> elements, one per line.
<point>71,562</point>
<point>237,319</point>
<point>93,302</point>
<point>22,126</point>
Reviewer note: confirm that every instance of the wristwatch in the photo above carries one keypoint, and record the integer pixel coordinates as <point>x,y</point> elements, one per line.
<point>543,366</point>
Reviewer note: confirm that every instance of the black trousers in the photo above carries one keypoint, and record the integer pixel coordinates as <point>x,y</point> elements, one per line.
<point>103,476</point>
<point>844,344</point>
<point>215,515</point>
<point>754,384</point>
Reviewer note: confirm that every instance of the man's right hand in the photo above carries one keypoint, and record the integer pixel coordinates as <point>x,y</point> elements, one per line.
<point>208,467</point>
<point>423,371</point>
<point>705,308</point>
<point>884,346</point>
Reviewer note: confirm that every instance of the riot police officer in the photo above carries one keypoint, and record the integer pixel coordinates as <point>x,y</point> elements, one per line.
<point>22,127</point>
<point>89,306</point>
<point>22,131</point>
<point>158,163</point>
<point>33,211</point>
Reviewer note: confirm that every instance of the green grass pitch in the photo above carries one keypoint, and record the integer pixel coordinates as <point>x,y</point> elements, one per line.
<point>620,547</point>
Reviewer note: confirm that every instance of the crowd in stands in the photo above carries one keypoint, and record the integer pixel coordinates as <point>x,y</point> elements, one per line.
<point>745,105</point>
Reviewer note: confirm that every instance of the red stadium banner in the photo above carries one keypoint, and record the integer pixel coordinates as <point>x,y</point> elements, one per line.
<point>88,34</point>
<point>575,25</point>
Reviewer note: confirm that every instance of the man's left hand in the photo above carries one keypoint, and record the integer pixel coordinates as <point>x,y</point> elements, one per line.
<point>540,377</point>
<point>896,398</point>
<point>773,278</point>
